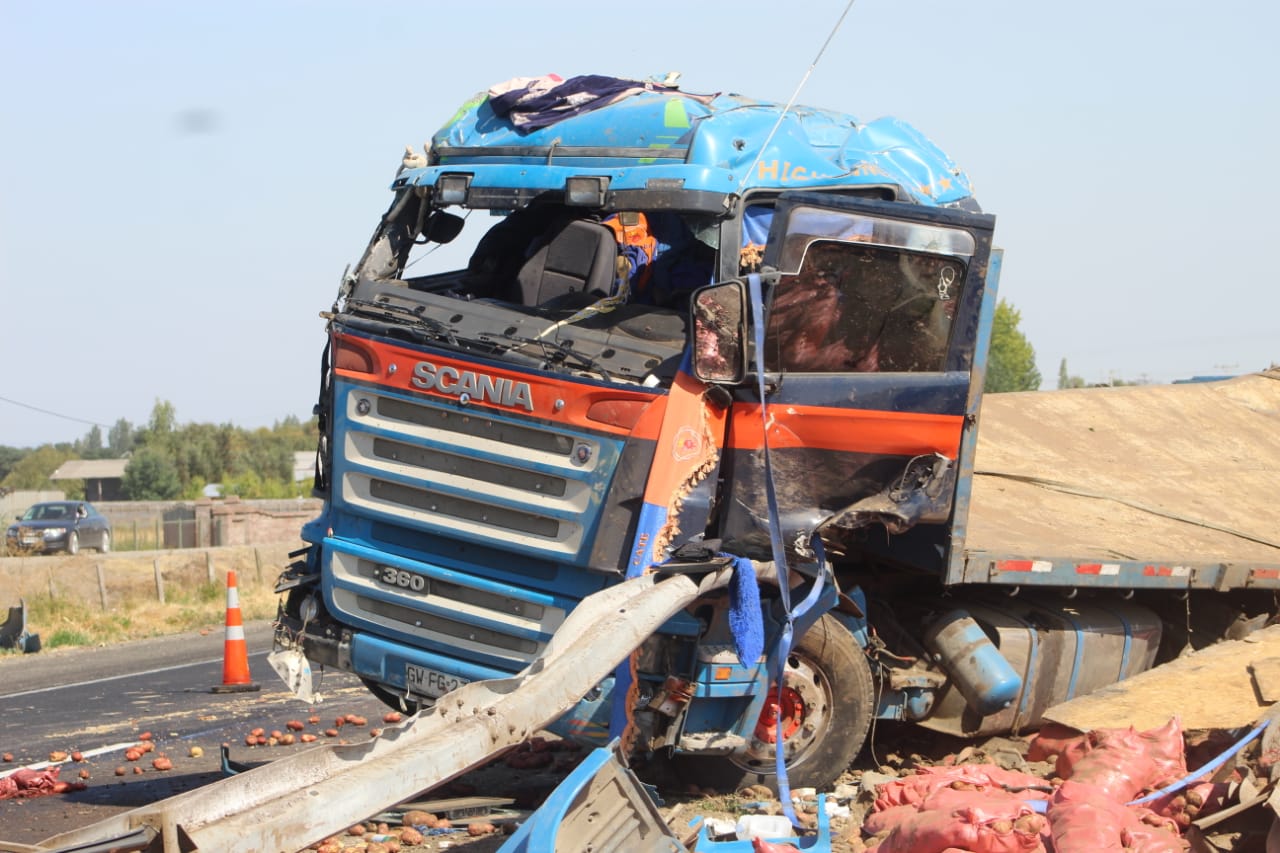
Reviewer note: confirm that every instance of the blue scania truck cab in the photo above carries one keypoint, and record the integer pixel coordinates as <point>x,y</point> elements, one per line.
<point>693,331</point>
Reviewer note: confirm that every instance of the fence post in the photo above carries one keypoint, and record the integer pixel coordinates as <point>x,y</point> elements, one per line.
<point>208,565</point>
<point>159,540</point>
<point>102,587</point>
<point>135,535</point>
<point>53,592</point>
<point>159,580</point>
<point>257,559</point>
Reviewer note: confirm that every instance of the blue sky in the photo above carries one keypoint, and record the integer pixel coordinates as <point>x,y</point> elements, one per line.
<point>181,185</point>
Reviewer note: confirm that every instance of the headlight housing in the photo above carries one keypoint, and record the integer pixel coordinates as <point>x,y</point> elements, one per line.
<point>54,532</point>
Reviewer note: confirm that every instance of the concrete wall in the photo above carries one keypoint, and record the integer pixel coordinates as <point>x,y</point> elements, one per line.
<point>15,503</point>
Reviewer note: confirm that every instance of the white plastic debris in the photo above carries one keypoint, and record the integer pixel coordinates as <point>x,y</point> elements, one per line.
<point>766,826</point>
<point>834,809</point>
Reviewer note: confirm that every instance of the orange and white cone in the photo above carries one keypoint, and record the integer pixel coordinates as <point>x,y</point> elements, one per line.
<point>235,653</point>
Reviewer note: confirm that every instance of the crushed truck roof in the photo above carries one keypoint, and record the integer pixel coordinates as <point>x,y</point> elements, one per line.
<point>662,139</point>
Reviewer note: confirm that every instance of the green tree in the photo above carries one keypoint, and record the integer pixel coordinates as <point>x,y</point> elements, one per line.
<point>1066,380</point>
<point>92,448</point>
<point>1011,363</point>
<point>120,439</point>
<point>32,470</point>
<point>151,476</point>
<point>9,457</point>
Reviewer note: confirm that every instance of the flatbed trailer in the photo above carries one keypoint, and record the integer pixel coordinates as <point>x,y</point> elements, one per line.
<point>1170,487</point>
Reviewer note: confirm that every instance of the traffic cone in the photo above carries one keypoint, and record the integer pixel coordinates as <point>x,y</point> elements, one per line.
<point>235,653</point>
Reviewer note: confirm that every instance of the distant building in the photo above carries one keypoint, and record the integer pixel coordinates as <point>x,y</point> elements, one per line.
<point>103,478</point>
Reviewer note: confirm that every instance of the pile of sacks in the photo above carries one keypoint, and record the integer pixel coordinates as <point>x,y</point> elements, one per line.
<point>986,809</point>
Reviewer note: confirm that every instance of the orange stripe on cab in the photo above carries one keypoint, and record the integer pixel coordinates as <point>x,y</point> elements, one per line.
<point>851,430</point>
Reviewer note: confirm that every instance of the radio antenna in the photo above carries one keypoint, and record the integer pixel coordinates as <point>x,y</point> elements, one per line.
<point>791,103</point>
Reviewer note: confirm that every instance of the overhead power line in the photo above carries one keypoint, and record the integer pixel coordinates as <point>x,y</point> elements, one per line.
<point>54,414</point>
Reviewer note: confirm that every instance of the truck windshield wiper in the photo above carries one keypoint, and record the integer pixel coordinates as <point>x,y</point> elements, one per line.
<point>402,314</point>
<point>557,354</point>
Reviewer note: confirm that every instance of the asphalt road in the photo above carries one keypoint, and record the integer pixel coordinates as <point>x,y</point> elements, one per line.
<point>100,700</point>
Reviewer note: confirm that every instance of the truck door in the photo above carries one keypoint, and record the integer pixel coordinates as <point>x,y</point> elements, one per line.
<point>870,326</point>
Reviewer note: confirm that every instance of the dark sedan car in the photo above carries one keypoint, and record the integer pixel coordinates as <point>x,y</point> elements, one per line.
<point>59,526</point>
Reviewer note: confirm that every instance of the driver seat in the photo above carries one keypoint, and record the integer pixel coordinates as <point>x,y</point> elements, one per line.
<point>580,258</point>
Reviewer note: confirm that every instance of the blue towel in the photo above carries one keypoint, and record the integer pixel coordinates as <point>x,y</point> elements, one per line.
<point>745,619</point>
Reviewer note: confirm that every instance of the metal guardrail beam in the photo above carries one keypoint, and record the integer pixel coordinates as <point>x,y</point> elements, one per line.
<point>295,801</point>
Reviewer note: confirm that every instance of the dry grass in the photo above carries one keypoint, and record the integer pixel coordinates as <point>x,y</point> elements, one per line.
<point>65,595</point>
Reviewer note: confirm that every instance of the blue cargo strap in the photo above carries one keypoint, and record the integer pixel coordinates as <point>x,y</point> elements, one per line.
<point>778,663</point>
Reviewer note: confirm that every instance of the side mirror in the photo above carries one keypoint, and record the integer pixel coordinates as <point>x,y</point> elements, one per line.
<point>442,227</point>
<point>719,332</point>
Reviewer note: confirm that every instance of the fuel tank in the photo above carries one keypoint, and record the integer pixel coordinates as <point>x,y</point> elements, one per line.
<point>1059,649</point>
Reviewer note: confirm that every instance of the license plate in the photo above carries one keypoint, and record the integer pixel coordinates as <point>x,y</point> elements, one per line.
<point>431,683</point>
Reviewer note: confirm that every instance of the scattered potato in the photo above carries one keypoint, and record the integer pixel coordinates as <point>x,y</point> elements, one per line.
<point>417,817</point>
<point>57,755</point>
<point>480,828</point>
<point>77,755</point>
<point>195,752</point>
<point>162,763</point>
<point>392,717</point>
<point>295,725</point>
<point>120,771</point>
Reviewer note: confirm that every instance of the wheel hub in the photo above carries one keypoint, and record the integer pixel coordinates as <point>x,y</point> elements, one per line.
<point>805,712</point>
<point>791,709</point>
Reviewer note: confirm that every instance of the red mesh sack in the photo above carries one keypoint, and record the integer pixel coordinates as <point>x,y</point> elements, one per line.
<point>982,827</point>
<point>912,790</point>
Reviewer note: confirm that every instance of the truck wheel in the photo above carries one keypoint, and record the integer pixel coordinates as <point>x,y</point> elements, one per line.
<point>826,710</point>
<point>73,543</point>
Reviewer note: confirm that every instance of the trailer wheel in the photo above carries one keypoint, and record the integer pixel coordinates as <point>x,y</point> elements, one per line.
<point>826,711</point>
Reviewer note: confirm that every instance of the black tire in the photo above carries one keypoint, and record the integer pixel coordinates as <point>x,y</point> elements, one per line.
<point>831,687</point>
<point>104,545</point>
<point>73,543</point>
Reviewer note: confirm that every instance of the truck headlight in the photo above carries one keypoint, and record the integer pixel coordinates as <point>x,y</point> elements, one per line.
<point>54,532</point>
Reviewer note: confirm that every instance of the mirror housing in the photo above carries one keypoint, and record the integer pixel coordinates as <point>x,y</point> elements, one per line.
<point>718,320</point>
<point>442,227</point>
